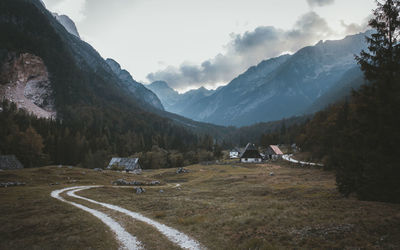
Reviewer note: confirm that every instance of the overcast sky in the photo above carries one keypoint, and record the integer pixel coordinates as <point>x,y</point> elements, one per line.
<point>193,43</point>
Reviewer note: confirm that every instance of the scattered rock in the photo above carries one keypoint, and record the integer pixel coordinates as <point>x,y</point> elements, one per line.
<point>59,166</point>
<point>12,184</point>
<point>182,171</point>
<point>161,191</point>
<point>140,190</point>
<point>122,182</point>
<point>271,174</point>
<point>98,169</point>
<point>54,184</point>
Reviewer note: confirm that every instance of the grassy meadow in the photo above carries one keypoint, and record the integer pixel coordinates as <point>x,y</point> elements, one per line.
<point>232,206</point>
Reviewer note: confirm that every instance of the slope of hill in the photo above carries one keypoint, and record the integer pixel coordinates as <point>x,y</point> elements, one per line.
<point>137,89</point>
<point>280,87</point>
<point>351,80</point>
<point>98,114</point>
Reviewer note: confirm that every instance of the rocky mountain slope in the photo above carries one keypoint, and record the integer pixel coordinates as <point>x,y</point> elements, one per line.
<point>351,80</point>
<point>85,88</point>
<point>24,80</point>
<point>280,87</point>
<point>89,60</point>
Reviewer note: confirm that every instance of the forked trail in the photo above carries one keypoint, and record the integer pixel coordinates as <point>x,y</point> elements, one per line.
<point>125,239</point>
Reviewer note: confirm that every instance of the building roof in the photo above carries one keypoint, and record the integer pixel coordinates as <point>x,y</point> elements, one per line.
<point>235,150</point>
<point>250,152</point>
<point>10,162</point>
<point>276,149</point>
<point>128,163</point>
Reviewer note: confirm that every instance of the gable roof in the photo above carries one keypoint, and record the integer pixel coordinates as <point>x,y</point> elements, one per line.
<point>250,152</point>
<point>235,150</point>
<point>276,149</point>
<point>128,163</point>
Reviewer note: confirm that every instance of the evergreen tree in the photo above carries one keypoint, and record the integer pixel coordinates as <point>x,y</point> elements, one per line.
<point>367,162</point>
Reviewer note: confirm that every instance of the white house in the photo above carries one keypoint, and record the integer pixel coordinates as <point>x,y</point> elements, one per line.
<point>234,153</point>
<point>251,154</point>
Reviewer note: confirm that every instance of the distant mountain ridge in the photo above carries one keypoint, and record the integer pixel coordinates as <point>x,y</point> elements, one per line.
<point>280,87</point>
<point>175,102</point>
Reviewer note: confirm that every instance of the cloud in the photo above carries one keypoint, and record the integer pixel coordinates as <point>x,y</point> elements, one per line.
<point>320,3</point>
<point>354,28</point>
<point>243,51</point>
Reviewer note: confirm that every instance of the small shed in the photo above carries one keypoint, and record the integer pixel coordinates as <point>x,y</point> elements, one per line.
<point>9,162</point>
<point>125,164</point>
<point>251,154</point>
<point>273,152</point>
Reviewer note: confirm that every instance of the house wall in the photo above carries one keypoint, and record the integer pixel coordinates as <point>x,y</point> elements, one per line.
<point>250,160</point>
<point>234,155</point>
<point>273,157</point>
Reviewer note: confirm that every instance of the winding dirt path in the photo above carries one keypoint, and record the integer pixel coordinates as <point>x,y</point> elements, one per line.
<point>126,240</point>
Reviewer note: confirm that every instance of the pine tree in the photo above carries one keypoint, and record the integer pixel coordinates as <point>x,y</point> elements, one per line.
<point>372,135</point>
<point>382,61</point>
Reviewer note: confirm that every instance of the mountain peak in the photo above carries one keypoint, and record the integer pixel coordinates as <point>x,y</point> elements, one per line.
<point>115,66</point>
<point>67,22</point>
<point>160,84</point>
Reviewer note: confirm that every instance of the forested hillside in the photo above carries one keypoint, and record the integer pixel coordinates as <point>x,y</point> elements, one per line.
<point>96,117</point>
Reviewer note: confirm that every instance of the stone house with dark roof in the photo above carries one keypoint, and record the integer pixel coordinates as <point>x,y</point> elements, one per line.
<point>125,164</point>
<point>9,162</point>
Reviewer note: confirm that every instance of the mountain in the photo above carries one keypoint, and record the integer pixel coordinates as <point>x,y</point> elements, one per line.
<point>351,80</point>
<point>137,89</point>
<point>165,93</point>
<point>178,103</point>
<point>68,24</point>
<point>98,112</point>
<point>280,87</point>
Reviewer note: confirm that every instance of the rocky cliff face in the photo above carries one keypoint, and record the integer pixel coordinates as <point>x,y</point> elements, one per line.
<point>24,80</point>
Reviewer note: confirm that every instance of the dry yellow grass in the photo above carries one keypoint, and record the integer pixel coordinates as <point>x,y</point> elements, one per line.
<point>224,207</point>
